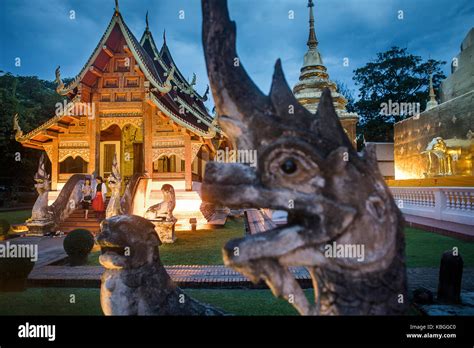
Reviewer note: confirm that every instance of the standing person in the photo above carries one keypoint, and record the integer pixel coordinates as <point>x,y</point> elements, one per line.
<point>86,197</point>
<point>98,203</point>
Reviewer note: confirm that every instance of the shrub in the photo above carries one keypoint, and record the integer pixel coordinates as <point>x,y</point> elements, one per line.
<point>14,272</point>
<point>78,244</point>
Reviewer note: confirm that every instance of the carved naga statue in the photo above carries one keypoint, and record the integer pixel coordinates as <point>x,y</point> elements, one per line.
<point>135,282</point>
<point>164,209</point>
<point>40,210</point>
<point>307,167</point>
<point>114,181</point>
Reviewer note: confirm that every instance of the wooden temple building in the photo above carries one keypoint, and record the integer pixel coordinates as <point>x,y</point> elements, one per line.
<point>130,99</point>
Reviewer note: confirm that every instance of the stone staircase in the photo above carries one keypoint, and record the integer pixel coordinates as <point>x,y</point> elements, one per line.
<point>77,220</point>
<point>188,205</point>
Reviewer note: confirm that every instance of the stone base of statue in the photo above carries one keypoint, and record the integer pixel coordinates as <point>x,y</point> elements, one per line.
<point>165,230</point>
<point>40,227</point>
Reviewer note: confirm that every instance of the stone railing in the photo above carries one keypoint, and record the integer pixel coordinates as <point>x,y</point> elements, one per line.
<point>69,198</point>
<point>449,208</point>
<point>128,197</point>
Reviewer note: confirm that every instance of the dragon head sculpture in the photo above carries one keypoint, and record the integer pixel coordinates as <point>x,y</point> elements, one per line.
<point>164,209</point>
<point>135,282</point>
<point>42,178</point>
<point>335,197</point>
<point>115,179</point>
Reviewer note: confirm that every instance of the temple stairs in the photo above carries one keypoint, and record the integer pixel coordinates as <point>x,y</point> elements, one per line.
<point>188,206</point>
<point>76,220</point>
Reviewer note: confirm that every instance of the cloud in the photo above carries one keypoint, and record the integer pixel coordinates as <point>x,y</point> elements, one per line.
<point>42,33</point>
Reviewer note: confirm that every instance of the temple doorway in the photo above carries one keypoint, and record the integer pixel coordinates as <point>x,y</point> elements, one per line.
<point>127,143</point>
<point>107,151</point>
<point>110,144</point>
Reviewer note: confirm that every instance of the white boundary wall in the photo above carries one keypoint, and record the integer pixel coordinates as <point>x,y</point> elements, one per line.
<point>449,208</point>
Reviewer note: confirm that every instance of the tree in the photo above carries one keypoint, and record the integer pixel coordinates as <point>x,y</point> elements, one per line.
<point>34,100</point>
<point>395,77</point>
<point>348,94</point>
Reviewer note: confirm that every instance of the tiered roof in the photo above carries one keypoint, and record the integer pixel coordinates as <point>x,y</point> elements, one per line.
<point>314,77</point>
<point>182,96</point>
<point>157,66</point>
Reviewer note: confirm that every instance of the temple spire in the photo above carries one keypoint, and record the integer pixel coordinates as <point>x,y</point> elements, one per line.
<point>164,36</point>
<point>432,102</point>
<point>314,79</point>
<point>312,40</point>
<point>117,11</point>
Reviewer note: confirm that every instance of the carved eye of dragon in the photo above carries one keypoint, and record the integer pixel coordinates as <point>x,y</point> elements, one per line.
<point>291,168</point>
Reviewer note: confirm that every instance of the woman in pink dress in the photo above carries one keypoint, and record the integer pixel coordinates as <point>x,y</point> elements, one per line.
<point>98,203</point>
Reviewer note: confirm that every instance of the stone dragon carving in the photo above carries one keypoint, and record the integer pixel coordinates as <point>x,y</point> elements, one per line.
<point>17,128</point>
<point>135,281</point>
<point>164,209</point>
<point>161,215</point>
<point>40,210</point>
<point>307,167</point>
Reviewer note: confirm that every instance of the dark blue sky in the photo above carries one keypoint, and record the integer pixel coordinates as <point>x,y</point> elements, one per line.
<point>42,34</point>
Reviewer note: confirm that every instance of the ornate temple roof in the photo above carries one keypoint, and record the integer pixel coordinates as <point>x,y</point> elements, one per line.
<point>182,95</point>
<point>314,77</point>
<point>169,90</point>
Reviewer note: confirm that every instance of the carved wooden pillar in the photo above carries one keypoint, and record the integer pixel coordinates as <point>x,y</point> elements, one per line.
<point>54,165</point>
<point>93,131</point>
<point>205,159</point>
<point>148,138</point>
<point>188,173</point>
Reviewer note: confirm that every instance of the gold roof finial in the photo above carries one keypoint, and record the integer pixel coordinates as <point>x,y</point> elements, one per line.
<point>432,93</point>
<point>116,7</point>
<point>17,128</point>
<point>146,21</point>
<point>312,40</point>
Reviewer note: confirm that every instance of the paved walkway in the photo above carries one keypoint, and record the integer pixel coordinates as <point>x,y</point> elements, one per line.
<point>197,276</point>
<point>186,276</point>
<point>428,277</point>
<point>50,249</point>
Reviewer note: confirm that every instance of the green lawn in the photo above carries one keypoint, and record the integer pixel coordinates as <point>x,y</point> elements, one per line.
<point>56,301</point>
<point>51,301</point>
<point>16,217</point>
<point>202,247</point>
<point>424,249</point>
